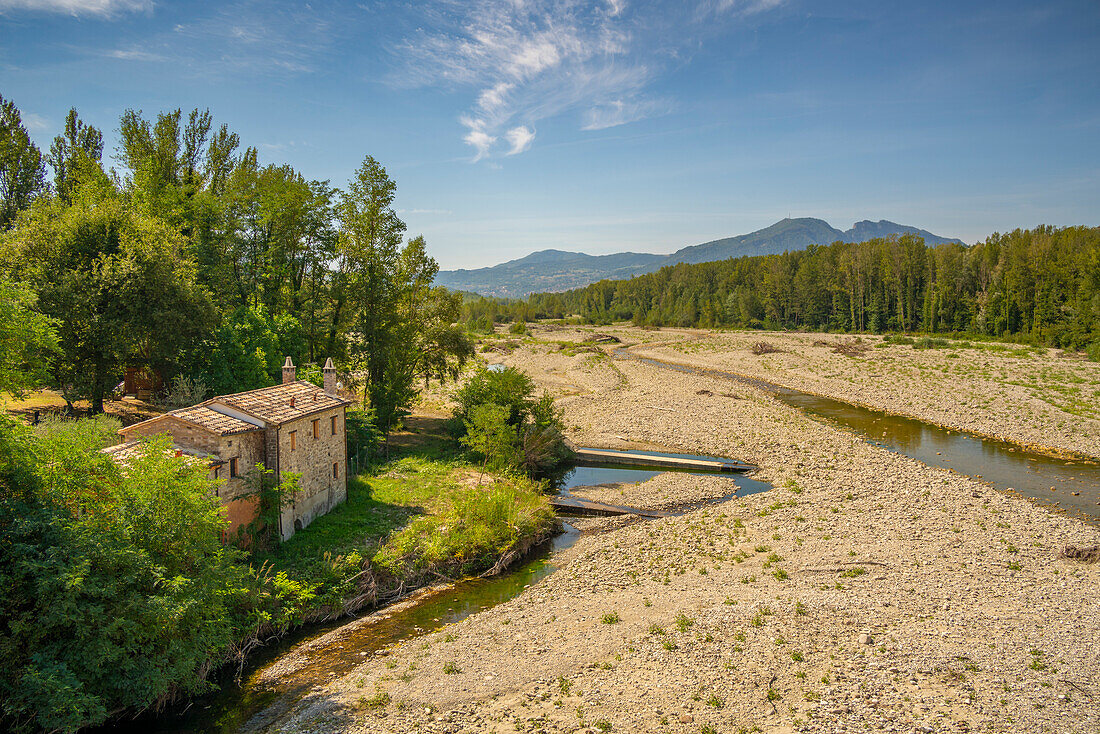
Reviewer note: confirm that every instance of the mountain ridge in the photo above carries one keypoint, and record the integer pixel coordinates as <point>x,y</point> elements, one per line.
<point>557,270</point>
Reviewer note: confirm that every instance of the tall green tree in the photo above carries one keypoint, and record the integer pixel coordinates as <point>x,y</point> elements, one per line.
<point>28,341</point>
<point>370,241</point>
<point>443,346</point>
<point>119,287</point>
<point>387,287</point>
<point>22,170</point>
<point>74,155</point>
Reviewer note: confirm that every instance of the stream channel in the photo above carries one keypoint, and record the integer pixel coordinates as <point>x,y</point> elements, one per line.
<point>1071,485</point>
<point>253,704</point>
<point>1068,484</point>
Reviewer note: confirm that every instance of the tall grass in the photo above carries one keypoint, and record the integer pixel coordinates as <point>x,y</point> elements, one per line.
<point>470,532</point>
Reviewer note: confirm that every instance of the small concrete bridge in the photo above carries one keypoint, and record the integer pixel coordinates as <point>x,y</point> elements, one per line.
<point>603,457</point>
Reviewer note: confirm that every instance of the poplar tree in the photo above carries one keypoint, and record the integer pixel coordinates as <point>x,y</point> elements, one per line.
<point>22,171</point>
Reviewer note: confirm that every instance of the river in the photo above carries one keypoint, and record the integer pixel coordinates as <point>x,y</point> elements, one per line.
<point>1071,485</point>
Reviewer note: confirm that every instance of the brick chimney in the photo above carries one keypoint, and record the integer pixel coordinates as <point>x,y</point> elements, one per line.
<point>329,372</point>
<point>290,373</point>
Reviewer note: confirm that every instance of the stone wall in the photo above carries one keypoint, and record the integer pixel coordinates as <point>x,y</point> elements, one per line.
<point>313,458</point>
<point>240,512</point>
<point>248,449</point>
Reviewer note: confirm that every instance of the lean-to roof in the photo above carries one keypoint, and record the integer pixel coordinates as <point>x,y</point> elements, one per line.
<point>282,403</point>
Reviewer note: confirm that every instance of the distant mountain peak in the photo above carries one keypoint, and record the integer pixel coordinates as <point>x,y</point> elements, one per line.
<point>558,270</point>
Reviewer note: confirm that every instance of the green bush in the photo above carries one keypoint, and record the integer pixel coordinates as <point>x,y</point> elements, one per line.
<point>491,436</point>
<point>115,589</point>
<point>249,349</point>
<point>508,388</point>
<point>509,428</point>
<point>363,434</point>
<point>927,342</point>
<point>482,325</point>
<point>1093,352</point>
<point>518,327</point>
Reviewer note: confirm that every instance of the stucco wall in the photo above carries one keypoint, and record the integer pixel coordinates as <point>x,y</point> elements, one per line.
<point>240,512</point>
<point>313,458</point>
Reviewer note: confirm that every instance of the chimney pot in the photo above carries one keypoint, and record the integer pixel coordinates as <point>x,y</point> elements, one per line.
<point>290,373</point>
<point>329,372</point>
<point>292,402</point>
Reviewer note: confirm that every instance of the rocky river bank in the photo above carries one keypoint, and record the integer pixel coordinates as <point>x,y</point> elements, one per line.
<point>866,592</point>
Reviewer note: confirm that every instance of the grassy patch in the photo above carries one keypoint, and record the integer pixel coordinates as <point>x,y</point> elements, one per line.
<point>423,514</point>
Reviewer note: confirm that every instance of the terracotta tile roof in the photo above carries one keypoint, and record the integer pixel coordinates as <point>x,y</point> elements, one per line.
<point>124,453</point>
<point>202,416</point>
<point>274,404</point>
<point>213,421</point>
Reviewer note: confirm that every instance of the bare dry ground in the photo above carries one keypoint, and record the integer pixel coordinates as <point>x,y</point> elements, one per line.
<point>47,402</point>
<point>866,592</point>
<point>1035,396</point>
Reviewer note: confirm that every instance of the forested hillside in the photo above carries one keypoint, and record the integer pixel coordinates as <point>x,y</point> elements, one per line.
<point>196,259</point>
<point>548,271</point>
<point>1040,285</point>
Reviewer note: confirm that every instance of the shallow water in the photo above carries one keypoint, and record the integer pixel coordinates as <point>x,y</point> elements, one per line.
<point>1069,484</point>
<point>252,704</point>
<point>587,476</point>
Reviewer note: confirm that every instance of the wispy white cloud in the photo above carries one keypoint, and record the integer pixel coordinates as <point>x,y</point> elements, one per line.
<point>478,138</point>
<point>243,38</point>
<point>615,112</point>
<point>103,8</point>
<point>520,139</point>
<point>529,61</point>
<point>525,62</point>
<point>134,54</point>
<point>34,122</point>
<point>742,7</point>
<point>258,36</point>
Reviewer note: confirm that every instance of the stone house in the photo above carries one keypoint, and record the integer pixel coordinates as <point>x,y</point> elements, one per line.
<point>292,427</point>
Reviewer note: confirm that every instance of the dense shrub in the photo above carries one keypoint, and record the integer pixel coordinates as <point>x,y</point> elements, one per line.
<point>363,434</point>
<point>183,391</point>
<point>249,349</point>
<point>507,427</point>
<point>508,388</point>
<point>115,590</point>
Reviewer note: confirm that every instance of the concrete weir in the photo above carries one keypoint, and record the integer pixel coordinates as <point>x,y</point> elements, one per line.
<point>603,457</point>
<point>586,508</point>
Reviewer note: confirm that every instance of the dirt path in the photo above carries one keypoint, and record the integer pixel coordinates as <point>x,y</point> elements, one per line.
<point>866,592</point>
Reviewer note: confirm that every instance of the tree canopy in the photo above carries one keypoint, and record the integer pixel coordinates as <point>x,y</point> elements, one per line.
<point>1040,285</point>
<point>198,260</point>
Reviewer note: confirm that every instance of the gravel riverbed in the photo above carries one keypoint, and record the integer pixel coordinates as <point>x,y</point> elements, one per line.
<point>865,592</point>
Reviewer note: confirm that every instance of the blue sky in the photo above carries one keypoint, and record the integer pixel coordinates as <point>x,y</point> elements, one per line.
<point>515,125</point>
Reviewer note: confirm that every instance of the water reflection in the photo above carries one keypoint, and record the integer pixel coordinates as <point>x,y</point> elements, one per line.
<point>1072,485</point>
